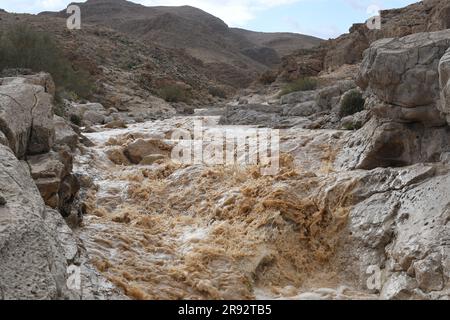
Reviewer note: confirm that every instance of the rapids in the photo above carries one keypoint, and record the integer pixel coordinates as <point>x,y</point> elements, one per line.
<point>176,231</point>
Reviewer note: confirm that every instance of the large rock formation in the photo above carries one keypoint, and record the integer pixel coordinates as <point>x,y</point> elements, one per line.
<point>401,78</point>
<point>39,253</point>
<point>404,71</point>
<point>33,263</point>
<point>444,77</point>
<point>28,124</point>
<point>26,116</point>
<point>400,225</point>
<point>52,173</point>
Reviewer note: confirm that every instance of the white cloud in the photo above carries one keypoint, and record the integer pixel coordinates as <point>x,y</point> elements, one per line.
<point>33,6</point>
<point>236,13</point>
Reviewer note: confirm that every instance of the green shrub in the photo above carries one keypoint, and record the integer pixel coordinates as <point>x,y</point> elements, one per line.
<point>303,84</point>
<point>21,47</point>
<point>75,119</point>
<point>351,103</point>
<point>173,93</point>
<point>217,92</point>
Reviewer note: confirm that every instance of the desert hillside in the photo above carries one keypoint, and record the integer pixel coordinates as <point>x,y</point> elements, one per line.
<point>237,54</point>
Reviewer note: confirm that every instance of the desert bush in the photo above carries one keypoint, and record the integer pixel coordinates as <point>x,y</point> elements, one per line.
<point>173,93</point>
<point>217,92</point>
<point>21,47</point>
<point>75,119</point>
<point>268,77</point>
<point>351,103</point>
<point>302,84</point>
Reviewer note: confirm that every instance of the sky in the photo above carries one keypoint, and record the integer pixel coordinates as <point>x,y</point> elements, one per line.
<point>321,18</point>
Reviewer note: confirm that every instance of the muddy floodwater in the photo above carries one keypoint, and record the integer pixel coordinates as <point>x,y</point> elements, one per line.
<point>174,231</point>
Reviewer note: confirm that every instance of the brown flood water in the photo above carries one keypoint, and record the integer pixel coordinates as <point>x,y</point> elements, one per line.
<point>167,231</point>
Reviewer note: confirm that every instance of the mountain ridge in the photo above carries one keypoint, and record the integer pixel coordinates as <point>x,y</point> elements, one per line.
<point>201,34</point>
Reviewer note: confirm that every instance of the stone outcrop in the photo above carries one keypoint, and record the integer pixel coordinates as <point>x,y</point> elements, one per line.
<point>404,96</point>
<point>26,115</point>
<point>139,149</point>
<point>35,134</point>
<point>52,173</point>
<point>89,113</point>
<point>404,72</point>
<point>444,77</point>
<point>384,143</point>
<point>32,264</point>
<point>38,251</point>
<point>64,133</point>
<point>400,224</point>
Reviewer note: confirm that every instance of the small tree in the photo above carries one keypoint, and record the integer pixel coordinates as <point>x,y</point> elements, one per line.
<point>21,47</point>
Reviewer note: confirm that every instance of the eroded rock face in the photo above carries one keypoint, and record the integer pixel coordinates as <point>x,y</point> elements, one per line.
<point>382,143</point>
<point>404,71</point>
<point>64,134</point>
<point>52,173</point>
<point>26,116</point>
<point>32,264</point>
<point>403,78</point>
<point>444,77</point>
<point>400,224</point>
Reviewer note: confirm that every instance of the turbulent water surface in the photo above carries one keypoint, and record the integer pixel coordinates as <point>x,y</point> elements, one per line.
<point>171,231</point>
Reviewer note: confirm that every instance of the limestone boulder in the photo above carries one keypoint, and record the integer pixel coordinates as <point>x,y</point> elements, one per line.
<point>444,78</point>
<point>52,173</point>
<point>404,71</point>
<point>64,133</point>
<point>298,97</point>
<point>26,116</point>
<point>89,113</point>
<point>329,97</point>
<point>399,223</point>
<point>116,124</point>
<point>303,109</point>
<point>137,150</point>
<point>32,261</point>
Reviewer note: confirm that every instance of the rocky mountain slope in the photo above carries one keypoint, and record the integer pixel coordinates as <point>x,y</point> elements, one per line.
<point>237,54</point>
<point>427,15</point>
